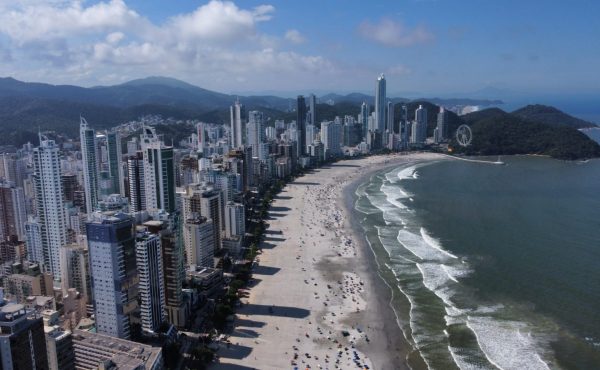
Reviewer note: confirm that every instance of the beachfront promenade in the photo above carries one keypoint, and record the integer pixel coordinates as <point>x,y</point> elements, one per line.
<point>313,301</point>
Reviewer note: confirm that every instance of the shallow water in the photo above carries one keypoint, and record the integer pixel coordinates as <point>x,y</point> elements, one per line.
<point>500,265</point>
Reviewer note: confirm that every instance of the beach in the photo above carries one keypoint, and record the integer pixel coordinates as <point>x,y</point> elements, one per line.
<point>317,300</point>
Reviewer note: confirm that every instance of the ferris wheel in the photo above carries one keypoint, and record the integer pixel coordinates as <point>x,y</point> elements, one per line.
<point>464,135</point>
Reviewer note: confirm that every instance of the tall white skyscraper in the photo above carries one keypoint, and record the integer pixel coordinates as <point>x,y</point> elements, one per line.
<point>419,128</point>
<point>159,172</point>
<point>234,220</point>
<point>148,252</point>
<point>380,104</point>
<point>237,124</point>
<point>331,137</point>
<point>90,165</point>
<point>200,241</point>
<point>49,203</point>
<point>255,132</point>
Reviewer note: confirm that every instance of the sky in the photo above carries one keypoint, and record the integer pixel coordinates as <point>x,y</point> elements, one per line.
<point>423,46</point>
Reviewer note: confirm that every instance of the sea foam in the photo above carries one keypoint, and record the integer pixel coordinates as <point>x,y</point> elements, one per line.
<point>504,345</point>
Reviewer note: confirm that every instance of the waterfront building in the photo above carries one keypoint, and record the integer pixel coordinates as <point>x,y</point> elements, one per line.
<point>301,124</point>
<point>380,104</point>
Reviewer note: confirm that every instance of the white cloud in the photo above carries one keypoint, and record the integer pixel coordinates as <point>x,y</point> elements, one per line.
<point>394,34</point>
<point>220,21</point>
<point>42,21</point>
<point>219,45</point>
<point>294,36</point>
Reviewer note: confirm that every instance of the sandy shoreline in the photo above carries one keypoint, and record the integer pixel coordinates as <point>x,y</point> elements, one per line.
<point>317,290</point>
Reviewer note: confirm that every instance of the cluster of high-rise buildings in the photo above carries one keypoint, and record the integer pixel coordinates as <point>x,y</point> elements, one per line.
<point>99,236</point>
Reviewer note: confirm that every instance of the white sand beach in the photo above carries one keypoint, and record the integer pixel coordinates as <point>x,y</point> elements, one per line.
<point>317,301</point>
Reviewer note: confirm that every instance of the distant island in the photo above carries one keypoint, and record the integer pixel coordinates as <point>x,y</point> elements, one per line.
<point>27,107</point>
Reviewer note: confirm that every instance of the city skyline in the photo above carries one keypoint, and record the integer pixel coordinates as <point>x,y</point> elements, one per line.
<point>255,43</point>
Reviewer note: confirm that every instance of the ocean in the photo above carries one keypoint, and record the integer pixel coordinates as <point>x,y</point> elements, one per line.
<point>492,266</point>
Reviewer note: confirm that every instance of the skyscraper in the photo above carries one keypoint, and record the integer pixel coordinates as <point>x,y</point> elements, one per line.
<point>442,125</point>
<point>331,136</point>
<point>419,128</point>
<point>159,172</point>
<point>12,212</point>
<point>312,110</point>
<point>211,207</point>
<point>90,165</point>
<point>380,104</point>
<point>148,251</point>
<point>301,124</point>
<point>235,216</point>
<point>364,119</point>
<point>390,118</point>
<point>201,241</point>
<point>111,244</point>
<point>49,203</point>
<point>115,165</point>
<point>237,128</point>
<point>33,241</point>
<point>137,184</point>
<point>256,132</point>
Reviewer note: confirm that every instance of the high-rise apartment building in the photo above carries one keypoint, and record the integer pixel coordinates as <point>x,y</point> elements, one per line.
<point>90,165</point>
<point>380,104</point>
<point>442,125</point>
<point>159,172</point>
<point>148,251</point>
<point>49,204</point>
<point>331,136</point>
<point>111,244</point>
<point>136,182</point>
<point>256,133</point>
<point>237,128</point>
<point>201,241</point>
<point>301,124</point>
<point>115,163</point>
<point>12,212</point>
<point>364,119</point>
<point>235,220</point>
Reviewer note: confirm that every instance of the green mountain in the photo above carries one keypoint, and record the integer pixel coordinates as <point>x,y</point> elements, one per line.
<point>499,133</point>
<point>550,116</point>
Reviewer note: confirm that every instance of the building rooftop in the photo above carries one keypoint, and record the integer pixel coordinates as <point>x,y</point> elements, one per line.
<point>124,354</point>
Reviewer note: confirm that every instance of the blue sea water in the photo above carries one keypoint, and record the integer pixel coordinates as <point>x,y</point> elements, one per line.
<point>498,265</point>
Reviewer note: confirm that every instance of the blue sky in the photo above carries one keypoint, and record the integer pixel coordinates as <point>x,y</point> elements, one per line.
<point>423,46</point>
